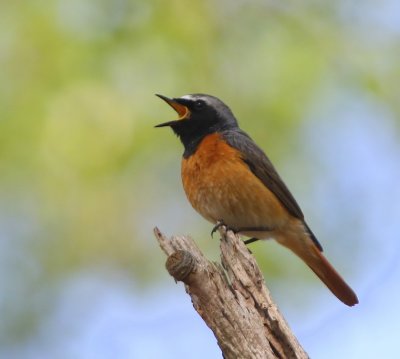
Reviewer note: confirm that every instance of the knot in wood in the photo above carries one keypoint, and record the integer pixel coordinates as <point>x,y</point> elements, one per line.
<point>180,264</point>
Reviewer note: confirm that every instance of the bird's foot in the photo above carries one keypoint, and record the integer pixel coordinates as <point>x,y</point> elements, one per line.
<point>253,229</point>
<point>251,240</point>
<point>221,223</point>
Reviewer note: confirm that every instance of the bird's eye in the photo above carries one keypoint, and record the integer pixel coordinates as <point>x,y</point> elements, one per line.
<point>199,105</point>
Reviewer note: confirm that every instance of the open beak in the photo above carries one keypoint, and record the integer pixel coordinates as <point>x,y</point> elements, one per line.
<point>182,110</point>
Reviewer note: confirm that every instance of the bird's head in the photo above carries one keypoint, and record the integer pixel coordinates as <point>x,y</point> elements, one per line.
<point>199,115</point>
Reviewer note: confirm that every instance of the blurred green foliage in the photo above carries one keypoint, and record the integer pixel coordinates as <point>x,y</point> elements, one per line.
<point>85,176</point>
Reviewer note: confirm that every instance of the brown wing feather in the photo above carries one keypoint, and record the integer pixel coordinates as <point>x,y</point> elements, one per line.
<point>261,166</point>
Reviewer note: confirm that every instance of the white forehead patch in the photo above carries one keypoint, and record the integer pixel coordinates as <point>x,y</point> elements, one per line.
<point>188,97</point>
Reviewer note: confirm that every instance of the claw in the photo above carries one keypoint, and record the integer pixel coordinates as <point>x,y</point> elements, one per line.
<point>219,224</point>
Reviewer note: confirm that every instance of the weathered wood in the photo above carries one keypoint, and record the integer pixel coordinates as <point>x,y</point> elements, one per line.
<point>232,298</point>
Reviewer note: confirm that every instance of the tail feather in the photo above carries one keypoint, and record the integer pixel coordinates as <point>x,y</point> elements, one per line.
<point>312,256</point>
<point>332,279</point>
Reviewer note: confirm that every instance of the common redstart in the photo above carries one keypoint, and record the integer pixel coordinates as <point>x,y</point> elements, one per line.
<point>229,180</point>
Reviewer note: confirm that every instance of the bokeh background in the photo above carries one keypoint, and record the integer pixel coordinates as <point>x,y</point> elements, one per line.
<point>85,177</point>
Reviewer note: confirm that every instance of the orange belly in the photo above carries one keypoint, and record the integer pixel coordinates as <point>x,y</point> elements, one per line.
<point>220,186</point>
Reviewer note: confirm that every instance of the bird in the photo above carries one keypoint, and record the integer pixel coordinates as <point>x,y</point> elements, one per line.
<point>229,180</point>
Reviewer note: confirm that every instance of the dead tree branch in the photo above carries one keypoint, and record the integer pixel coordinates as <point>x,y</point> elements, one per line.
<point>232,298</point>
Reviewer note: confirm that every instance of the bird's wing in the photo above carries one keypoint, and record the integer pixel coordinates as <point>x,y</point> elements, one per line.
<point>260,165</point>
<point>262,168</point>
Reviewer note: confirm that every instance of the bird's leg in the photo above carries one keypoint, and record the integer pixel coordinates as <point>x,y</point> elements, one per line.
<point>251,240</point>
<point>253,229</point>
<point>221,223</point>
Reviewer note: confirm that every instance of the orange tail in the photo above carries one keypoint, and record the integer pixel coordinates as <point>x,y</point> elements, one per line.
<point>312,256</point>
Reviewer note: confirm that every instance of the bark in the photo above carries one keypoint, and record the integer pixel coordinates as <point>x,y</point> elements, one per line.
<point>231,297</point>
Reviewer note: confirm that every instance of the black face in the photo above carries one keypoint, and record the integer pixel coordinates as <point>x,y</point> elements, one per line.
<point>199,115</point>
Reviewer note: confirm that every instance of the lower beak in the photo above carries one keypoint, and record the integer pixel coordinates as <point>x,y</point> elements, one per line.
<point>181,110</point>
<point>170,123</point>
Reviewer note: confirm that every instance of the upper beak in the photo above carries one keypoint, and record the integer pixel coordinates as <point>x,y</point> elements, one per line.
<point>181,110</point>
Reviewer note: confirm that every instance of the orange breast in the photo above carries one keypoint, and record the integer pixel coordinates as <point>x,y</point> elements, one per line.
<point>220,186</point>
